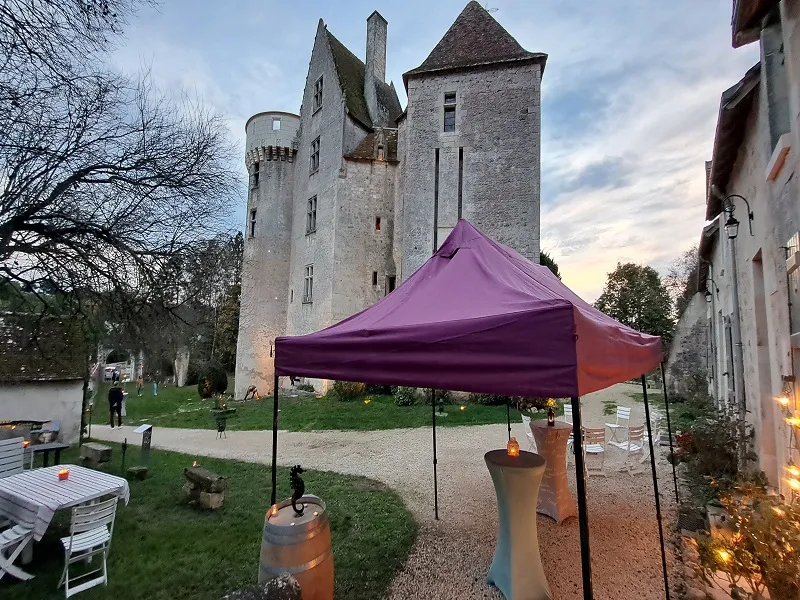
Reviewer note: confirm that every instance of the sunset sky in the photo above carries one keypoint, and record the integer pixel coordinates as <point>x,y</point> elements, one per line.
<point>629,98</point>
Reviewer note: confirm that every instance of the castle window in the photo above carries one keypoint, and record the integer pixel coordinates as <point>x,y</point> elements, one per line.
<point>255,175</point>
<point>291,295</point>
<point>377,223</point>
<point>311,215</point>
<point>450,111</point>
<point>276,124</point>
<point>318,94</point>
<point>314,166</point>
<point>253,223</point>
<point>308,285</point>
<point>374,278</point>
<point>390,283</point>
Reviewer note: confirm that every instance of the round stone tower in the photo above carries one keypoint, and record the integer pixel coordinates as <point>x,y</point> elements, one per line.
<point>270,159</point>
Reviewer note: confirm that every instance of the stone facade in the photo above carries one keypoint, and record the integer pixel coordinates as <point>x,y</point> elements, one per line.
<point>351,204</point>
<point>689,354</point>
<point>756,158</point>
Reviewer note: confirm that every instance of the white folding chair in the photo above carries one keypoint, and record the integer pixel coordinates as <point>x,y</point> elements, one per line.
<point>90,534</point>
<point>594,444</point>
<point>14,540</point>
<point>633,447</point>
<point>623,414</point>
<point>526,425</point>
<point>656,422</point>
<point>12,456</point>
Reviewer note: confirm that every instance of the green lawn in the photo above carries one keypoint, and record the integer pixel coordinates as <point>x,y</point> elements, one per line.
<point>165,550</point>
<point>182,407</point>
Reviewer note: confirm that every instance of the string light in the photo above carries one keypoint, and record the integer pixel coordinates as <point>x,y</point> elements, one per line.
<point>793,421</point>
<point>724,555</point>
<point>794,484</point>
<point>793,470</point>
<point>783,400</point>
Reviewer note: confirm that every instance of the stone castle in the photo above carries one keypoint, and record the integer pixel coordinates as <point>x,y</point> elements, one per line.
<point>354,194</point>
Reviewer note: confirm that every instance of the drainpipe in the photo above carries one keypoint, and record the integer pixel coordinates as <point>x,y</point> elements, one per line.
<point>738,363</point>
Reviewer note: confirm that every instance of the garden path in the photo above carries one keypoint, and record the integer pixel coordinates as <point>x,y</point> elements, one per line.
<point>452,556</point>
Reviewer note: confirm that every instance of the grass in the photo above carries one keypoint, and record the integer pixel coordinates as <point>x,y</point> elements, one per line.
<point>609,407</point>
<point>681,413</point>
<point>182,407</point>
<point>166,550</point>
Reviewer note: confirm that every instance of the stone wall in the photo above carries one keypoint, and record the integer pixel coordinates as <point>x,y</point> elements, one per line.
<point>48,401</point>
<point>498,130</point>
<point>689,354</point>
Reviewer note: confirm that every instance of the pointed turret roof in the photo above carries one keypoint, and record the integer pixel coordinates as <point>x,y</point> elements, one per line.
<point>474,39</point>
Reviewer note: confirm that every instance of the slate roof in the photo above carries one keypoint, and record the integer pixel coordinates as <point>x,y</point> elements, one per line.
<point>366,149</point>
<point>746,19</point>
<point>350,70</point>
<point>40,349</point>
<point>734,107</point>
<point>474,39</point>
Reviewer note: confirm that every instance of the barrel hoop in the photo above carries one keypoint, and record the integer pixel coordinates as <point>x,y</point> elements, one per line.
<point>285,540</point>
<point>299,568</point>
<point>283,530</point>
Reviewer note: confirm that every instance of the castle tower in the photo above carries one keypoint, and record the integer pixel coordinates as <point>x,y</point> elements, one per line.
<point>270,151</point>
<point>471,140</point>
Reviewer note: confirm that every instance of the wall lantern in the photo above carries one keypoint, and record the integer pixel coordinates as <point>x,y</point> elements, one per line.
<point>732,223</point>
<point>513,447</point>
<point>709,290</point>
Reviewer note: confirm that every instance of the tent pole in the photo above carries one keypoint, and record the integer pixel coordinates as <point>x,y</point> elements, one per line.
<point>669,432</point>
<point>508,416</point>
<point>655,485</point>
<point>583,512</point>
<point>435,482</point>
<point>274,443</point>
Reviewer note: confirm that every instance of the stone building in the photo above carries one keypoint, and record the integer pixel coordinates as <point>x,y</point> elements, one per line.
<point>352,195</point>
<point>750,248</point>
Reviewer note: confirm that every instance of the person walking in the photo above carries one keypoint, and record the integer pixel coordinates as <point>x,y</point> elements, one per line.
<point>115,404</point>
<point>155,385</point>
<point>139,385</point>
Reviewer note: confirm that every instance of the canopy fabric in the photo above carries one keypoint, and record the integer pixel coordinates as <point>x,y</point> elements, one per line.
<point>476,317</point>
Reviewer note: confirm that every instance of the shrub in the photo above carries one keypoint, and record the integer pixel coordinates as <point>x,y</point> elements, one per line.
<point>489,399</point>
<point>348,390</point>
<point>305,387</point>
<point>213,379</point>
<point>532,403</point>
<point>379,390</point>
<point>193,372</point>
<point>405,396</point>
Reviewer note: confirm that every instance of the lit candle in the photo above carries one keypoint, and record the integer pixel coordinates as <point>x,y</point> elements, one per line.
<point>25,444</point>
<point>272,511</point>
<point>513,447</point>
<point>367,400</point>
<point>463,408</point>
<point>63,474</point>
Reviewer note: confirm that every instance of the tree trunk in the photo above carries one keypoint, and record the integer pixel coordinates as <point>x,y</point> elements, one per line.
<point>181,365</point>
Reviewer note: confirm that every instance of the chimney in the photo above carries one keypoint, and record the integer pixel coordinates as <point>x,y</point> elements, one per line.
<point>376,46</point>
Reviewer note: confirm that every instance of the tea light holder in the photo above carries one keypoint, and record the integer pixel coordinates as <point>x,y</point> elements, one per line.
<point>513,447</point>
<point>25,443</point>
<point>63,474</point>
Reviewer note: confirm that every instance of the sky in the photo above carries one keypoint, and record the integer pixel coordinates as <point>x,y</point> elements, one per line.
<point>630,97</point>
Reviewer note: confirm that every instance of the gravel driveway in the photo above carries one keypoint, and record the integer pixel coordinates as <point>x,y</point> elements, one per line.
<point>452,556</point>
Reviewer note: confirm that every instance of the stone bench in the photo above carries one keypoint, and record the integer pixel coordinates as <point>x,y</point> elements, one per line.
<point>94,455</point>
<point>204,488</point>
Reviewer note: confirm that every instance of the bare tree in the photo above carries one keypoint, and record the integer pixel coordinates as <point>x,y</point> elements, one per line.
<point>681,280</point>
<point>103,180</point>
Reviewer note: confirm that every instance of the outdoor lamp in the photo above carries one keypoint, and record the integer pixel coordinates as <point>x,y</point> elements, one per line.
<point>551,417</point>
<point>708,296</point>
<point>732,227</point>
<point>513,447</point>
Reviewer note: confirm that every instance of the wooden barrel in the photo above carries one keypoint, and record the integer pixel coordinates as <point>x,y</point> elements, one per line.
<point>300,546</point>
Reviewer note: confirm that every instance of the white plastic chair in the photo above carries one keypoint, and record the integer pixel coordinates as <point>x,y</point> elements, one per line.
<point>623,414</point>
<point>633,447</point>
<point>568,419</point>
<point>526,425</point>
<point>656,422</point>
<point>90,534</point>
<point>594,443</point>
<point>12,456</point>
<point>14,540</point>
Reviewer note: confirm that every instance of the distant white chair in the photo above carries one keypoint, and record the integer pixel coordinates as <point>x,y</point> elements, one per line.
<point>90,534</point>
<point>656,423</point>
<point>568,419</point>
<point>13,541</point>
<point>634,448</point>
<point>12,457</point>
<point>594,444</point>
<point>623,414</point>
<point>526,425</point>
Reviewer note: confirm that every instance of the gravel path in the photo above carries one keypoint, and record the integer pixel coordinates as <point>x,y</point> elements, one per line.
<point>452,556</point>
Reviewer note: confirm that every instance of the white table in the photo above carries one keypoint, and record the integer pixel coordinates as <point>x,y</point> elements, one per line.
<point>33,497</point>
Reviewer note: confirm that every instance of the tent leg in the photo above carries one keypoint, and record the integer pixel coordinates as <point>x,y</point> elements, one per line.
<point>583,512</point>
<point>669,432</point>
<point>435,481</point>
<point>655,486</point>
<point>274,443</point>
<point>508,416</point>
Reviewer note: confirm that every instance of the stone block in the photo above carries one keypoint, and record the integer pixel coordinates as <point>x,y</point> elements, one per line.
<point>94,455</point>
<point>205,480</point>
<point>282,587</point>
<point>138,472</point>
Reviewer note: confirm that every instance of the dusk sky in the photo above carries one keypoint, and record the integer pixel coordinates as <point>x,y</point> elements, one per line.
<point>629,98</point>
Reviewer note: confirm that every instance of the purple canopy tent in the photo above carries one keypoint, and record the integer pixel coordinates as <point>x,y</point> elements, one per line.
<point>479,317</point>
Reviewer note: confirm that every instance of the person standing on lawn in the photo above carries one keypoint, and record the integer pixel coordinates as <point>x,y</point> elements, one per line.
<point>115,404</point>
<point>139,385</point>
<point>155,385</point>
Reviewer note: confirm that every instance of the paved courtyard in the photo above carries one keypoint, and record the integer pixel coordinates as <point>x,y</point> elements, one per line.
<point>452,556</point>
